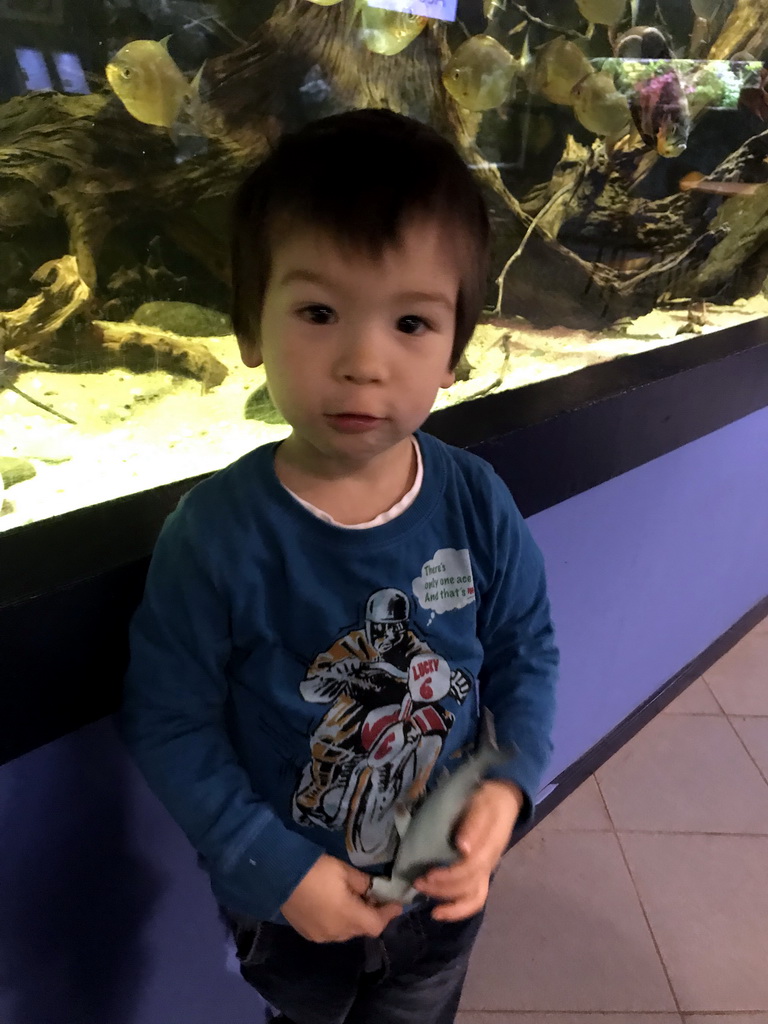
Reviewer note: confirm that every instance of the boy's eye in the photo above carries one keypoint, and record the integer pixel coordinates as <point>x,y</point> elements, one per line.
<point>317,314</point>
<point>412,325</point>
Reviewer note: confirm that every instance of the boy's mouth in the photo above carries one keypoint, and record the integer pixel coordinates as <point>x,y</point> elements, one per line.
<point>352,422</point>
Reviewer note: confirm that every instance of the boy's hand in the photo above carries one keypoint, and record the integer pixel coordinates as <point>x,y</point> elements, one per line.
<point>482,838</point>
<point>329,905</point>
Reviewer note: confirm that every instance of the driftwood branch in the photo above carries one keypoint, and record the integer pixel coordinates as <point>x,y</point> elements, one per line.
<point>558,199</point>
<point>62,294</point>
<point>5,384</point>
<point>143,349</point>
<point>746,28</point>
<point>33,328</point>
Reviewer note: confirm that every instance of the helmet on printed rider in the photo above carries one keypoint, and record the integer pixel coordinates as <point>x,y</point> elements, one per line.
<point>386,615</point>
<point>388,605</point>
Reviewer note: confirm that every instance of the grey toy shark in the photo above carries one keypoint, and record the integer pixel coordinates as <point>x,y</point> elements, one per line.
<point>426,837</point>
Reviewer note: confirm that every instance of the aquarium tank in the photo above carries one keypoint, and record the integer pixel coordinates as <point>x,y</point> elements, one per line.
<point>621,145</point>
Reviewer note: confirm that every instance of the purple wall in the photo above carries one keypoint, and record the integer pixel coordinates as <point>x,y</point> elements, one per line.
<point>648,569</point>
<point>106,918</point>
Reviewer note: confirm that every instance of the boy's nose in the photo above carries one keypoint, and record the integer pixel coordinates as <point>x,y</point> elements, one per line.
<point>360,358</point>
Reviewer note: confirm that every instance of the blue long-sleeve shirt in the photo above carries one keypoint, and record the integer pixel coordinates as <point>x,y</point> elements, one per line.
<point>291,681</point>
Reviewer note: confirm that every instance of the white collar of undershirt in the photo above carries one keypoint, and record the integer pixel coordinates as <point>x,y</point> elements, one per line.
<point>385,517</point>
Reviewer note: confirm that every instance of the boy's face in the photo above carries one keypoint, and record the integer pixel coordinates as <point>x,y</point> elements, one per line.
<point>355,349</point>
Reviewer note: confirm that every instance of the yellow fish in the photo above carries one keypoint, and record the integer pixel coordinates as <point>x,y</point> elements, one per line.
<point>600,107</point>
<point>480,73</point>
<point>602,12</point>
<point>148,82</point>
<point>326,3</point>
<point>388,32</point>
<point>558,66</point>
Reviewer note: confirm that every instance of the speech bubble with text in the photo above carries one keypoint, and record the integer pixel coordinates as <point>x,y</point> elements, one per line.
<point>446,582</point>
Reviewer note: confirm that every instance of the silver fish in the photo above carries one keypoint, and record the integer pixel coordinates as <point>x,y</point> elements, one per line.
<point>706,9</point>
<point>148,81</point>
<point>480,73</point>
<point>388,32</point>
<point>600,107</point>
<point>558,67</point>
<point>426,838</point>
<point>602,12</point>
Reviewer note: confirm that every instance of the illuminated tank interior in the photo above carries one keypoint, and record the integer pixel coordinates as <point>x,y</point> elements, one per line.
<point>621,146</point>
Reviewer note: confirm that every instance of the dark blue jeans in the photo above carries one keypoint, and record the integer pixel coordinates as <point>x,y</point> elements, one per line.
<point>413,974</point>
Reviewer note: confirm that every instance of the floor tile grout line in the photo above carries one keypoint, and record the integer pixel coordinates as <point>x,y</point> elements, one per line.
<point>640,900</point>
<point>664,832</point>
<point>675,832</point>
<point>693,714</point>
<point>600,1013</point>
<point>763,776</point>
<point>715,698</point>
<point>682,1014</point>
<point>607,1013</point>
<point>678,1012</point>
<point>711,714</point>
<point>605,803</point>
<point>708,714</point>
<point>692,832</point>
<point>580,828</point>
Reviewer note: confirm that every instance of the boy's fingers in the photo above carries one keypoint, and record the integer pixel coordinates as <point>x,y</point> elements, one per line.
<point>390,912</point>
<point>358,881</point>
<point>474,828</point>
<point>455,880</point>
<point>468,903</point>
<point>459,873</point>
<point>458,911</point>
<point>373,920</point>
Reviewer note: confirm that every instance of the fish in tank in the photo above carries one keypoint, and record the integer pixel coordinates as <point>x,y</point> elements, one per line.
<point>622,147</point>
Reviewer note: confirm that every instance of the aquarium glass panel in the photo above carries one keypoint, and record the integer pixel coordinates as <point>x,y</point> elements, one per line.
<point>621,145</point>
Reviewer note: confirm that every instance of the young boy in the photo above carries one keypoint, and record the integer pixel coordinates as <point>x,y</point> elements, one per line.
<point>325,619</point>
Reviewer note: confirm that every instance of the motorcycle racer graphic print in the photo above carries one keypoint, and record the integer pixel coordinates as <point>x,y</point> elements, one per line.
<point>384,729</point>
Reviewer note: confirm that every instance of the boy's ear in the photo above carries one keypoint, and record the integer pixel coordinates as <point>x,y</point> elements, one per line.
<point>250,350</point>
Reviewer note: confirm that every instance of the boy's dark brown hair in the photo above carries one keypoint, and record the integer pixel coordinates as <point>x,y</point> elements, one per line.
<point>359,176</point>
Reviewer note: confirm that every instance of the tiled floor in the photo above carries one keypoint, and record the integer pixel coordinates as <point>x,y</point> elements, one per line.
<point>643,898</point>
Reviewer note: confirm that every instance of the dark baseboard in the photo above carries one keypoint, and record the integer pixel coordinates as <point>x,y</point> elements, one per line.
<point>578,772</point>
